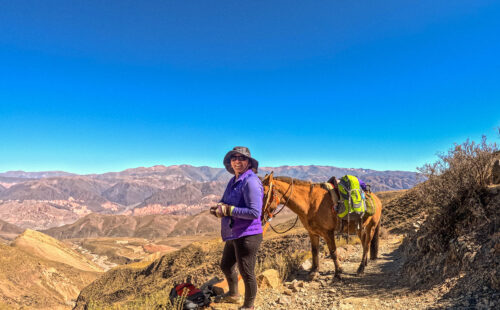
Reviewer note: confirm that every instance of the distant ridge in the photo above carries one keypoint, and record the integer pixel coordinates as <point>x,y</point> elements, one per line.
<point>147,226</point>
<point>34,175</point>
<point>42,202</point>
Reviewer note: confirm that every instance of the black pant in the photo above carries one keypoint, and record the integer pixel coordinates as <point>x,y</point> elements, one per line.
<point>244,252</point>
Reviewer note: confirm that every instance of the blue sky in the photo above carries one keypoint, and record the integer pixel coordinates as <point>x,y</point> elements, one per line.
<point>95,86</point>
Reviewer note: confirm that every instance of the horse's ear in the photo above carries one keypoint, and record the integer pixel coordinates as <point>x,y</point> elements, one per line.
<point>271,175</point>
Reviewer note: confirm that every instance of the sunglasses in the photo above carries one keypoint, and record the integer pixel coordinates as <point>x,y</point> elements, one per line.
<point>239,158</point>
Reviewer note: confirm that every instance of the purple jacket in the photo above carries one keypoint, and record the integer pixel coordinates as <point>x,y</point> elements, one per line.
<point>246,195</point>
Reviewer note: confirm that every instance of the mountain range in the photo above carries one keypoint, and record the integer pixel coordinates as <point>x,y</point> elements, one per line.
<point>41,200</point>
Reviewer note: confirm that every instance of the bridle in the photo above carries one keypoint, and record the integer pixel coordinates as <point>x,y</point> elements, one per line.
<point>268,214</point>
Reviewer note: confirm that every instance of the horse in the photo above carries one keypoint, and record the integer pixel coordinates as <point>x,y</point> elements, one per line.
<point>314,206</point>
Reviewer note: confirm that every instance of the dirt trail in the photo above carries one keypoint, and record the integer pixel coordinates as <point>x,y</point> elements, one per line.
<point>381,287</point>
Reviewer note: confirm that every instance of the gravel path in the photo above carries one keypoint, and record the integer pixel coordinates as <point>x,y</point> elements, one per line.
<point>380,287</point>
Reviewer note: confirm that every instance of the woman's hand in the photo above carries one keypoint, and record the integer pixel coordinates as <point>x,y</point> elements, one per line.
<point>221,210</point>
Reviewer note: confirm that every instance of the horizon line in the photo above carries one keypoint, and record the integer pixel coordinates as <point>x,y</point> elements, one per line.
<point>201,166</point>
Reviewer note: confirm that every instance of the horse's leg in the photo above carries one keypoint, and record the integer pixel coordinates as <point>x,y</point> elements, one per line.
<point>367,235</point>
<point>362,236</point>
<point>315,257</point>
<point>332,247</point>
<point>374,242</point>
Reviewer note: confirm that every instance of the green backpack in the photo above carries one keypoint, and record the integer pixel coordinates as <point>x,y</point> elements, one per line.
<point>351,196</point>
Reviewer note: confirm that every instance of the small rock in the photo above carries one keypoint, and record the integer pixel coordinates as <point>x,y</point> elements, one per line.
<point>287,291</point>
<point>283,300</point>
<point>314,285</point>
<point>294,288</point>
<point>306,265</point>
<point>269,278</point>
<point>342,254</point>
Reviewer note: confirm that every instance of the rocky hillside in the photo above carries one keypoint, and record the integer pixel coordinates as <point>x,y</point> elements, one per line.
<point>459,241</point>
<point>40,272</point>
<point>200,260</point>
<point>37,214</point>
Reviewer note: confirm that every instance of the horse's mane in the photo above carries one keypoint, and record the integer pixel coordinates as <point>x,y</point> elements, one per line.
<point>295,181</point>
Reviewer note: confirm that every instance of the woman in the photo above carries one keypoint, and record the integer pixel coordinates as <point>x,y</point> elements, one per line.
<point>240,209</point>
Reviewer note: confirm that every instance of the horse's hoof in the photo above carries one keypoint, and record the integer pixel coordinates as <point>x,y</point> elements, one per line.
<point>340,270</point>
<point>338,276</point>
<point>313,275</point>
<point>360,271</point>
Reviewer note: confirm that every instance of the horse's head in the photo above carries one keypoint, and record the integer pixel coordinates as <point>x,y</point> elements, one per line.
<point>271,200</point>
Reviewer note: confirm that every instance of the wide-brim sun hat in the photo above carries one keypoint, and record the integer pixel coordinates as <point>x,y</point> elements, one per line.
<point>241,150</point>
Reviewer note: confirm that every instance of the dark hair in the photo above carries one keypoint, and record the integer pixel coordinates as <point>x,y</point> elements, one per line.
<point>255,170</point>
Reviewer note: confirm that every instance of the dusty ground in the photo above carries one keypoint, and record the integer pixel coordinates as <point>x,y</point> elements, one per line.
<point>379,288</point>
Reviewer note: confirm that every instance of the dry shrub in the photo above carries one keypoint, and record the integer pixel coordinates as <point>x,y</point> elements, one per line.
<point>457,236</point>
<point>285,264</point>
<point>464,168</point>
<point>159,301</point>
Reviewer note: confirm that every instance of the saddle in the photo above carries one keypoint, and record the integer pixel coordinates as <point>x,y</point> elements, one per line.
<point>354,205</point>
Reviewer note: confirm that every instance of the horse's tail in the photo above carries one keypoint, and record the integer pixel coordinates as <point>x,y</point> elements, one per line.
<point>375,241</point>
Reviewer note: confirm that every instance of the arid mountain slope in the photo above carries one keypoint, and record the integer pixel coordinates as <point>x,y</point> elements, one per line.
<point>62,188</point>
<point>32,282</point>
<point>128,193</point>
<point>9,231</point>
<point>43,246</point>
<point>36,214</point>
<point>147,226</point>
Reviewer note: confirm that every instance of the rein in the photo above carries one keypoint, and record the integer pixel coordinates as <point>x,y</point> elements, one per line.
<point>270,215</point>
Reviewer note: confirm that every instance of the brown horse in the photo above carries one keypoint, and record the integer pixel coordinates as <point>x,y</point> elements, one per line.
<point>314,206</point>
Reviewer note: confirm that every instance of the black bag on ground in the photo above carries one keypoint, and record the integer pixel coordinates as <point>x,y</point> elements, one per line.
<point>195,298</point>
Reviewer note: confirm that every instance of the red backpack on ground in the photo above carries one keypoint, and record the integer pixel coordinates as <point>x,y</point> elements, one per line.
<point>195,298</point>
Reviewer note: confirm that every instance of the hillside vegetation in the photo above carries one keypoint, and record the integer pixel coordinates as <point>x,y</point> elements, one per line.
<point>459,242</point>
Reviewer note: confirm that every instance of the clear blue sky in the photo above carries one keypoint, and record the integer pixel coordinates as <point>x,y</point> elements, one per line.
<point>95,86</point>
